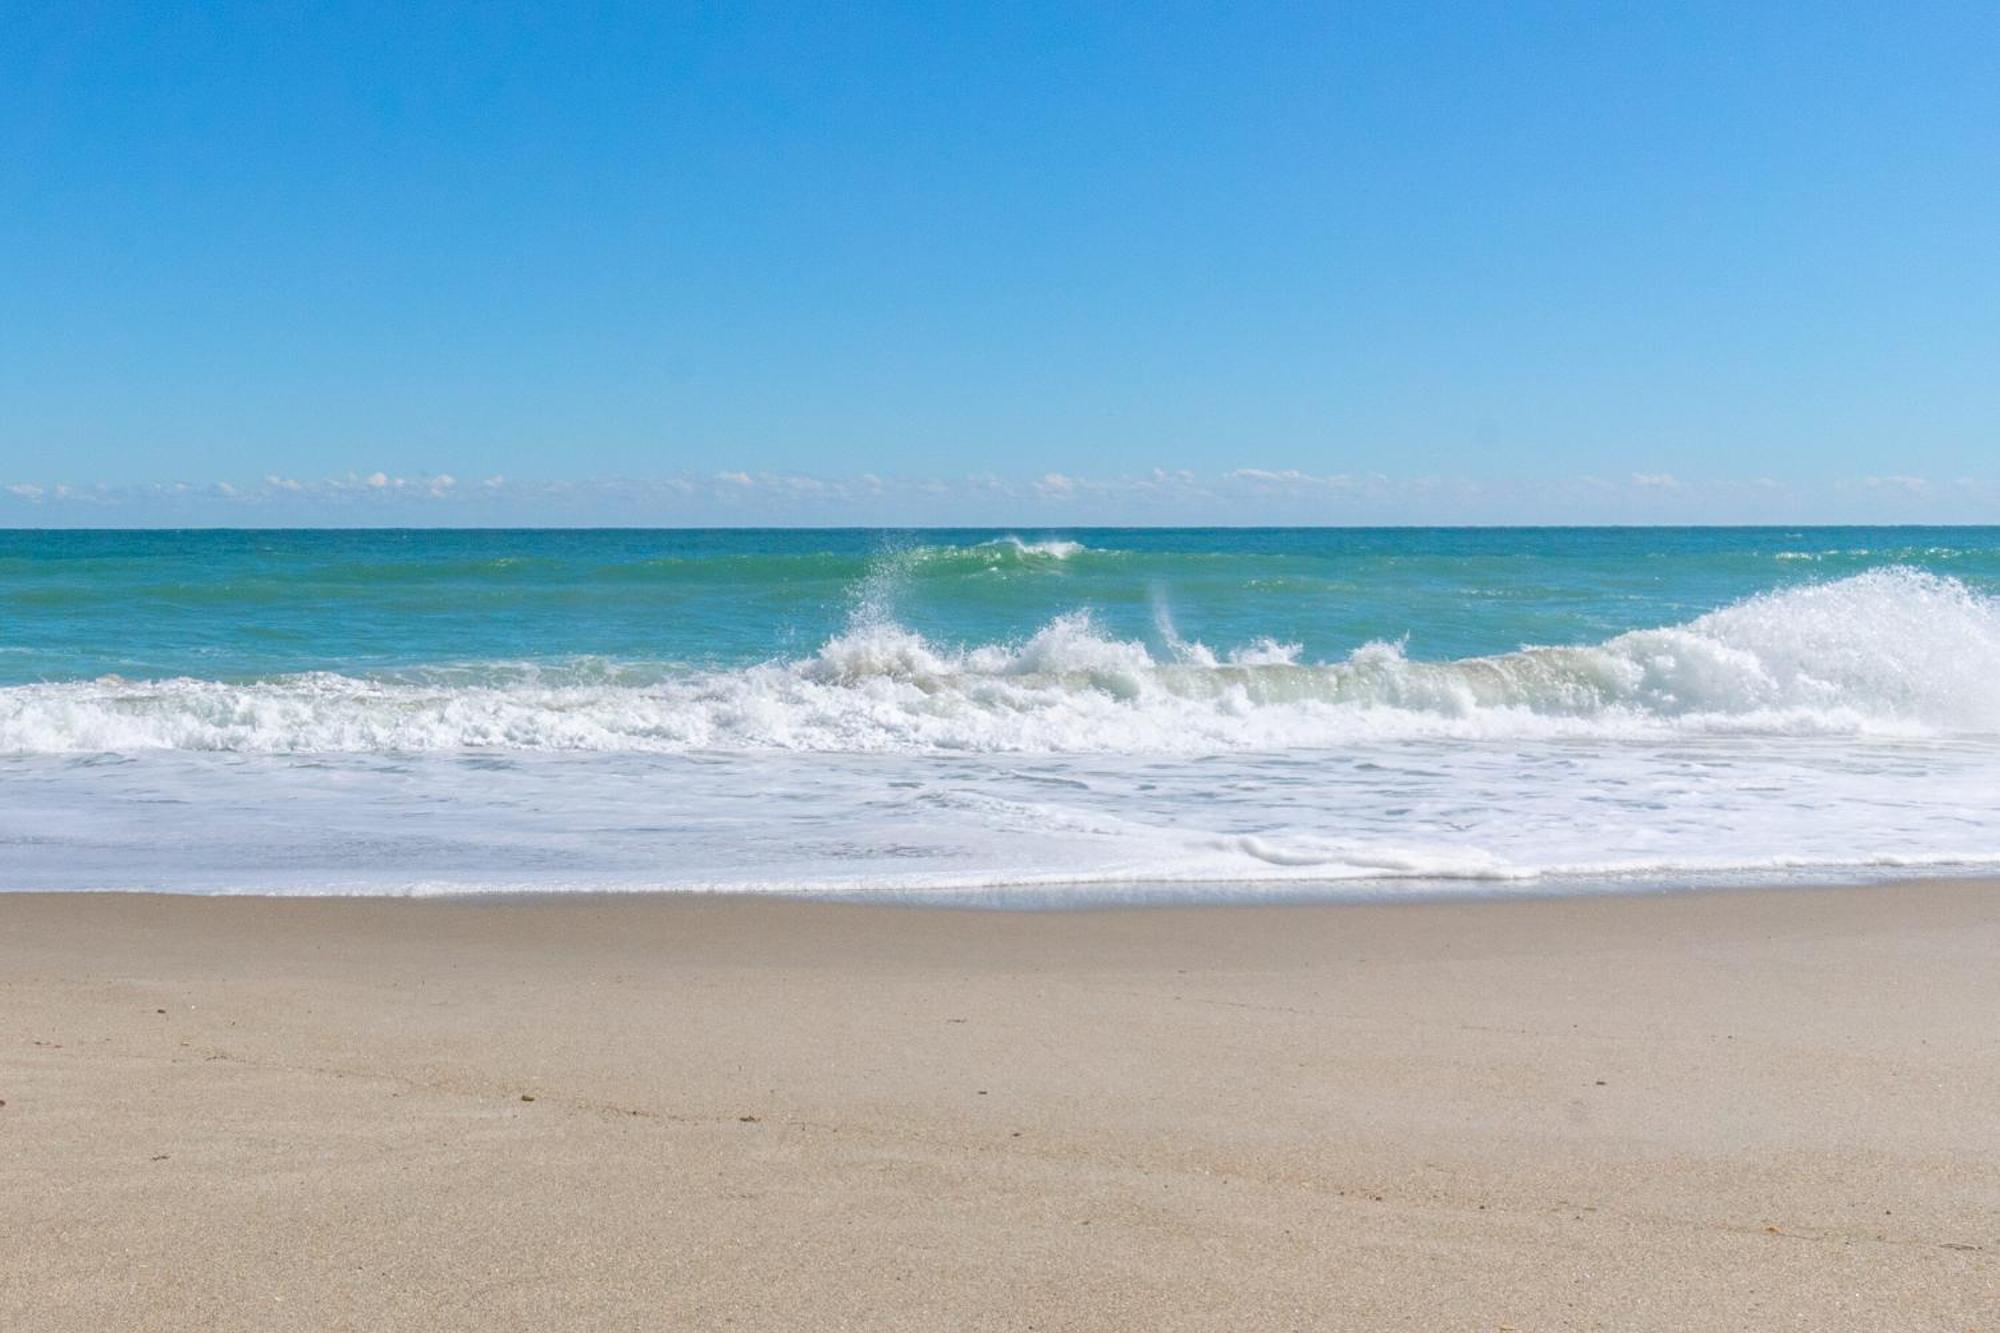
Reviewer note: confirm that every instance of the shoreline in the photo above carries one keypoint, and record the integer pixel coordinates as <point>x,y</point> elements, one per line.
<point>1065,897</point>
<point>1703,1108</point>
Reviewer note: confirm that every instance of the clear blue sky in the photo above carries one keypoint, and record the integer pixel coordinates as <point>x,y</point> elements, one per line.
<point>964,262</point>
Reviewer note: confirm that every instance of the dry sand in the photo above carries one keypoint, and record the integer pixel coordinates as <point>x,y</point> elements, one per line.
<point>1731,1111</point>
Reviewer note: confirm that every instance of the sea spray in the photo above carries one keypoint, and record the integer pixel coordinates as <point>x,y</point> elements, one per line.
<point>1893,652</point>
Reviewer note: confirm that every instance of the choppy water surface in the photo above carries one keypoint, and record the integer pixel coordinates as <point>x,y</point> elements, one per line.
<point>1078,714</point>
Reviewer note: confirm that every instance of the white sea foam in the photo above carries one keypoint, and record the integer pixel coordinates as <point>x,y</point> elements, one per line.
<point>1054,548</point>
<point>1889,652</point>
<point>1373,819</point>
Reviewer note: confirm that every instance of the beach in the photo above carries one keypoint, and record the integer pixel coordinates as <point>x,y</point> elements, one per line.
<point>1693,1110</point>
<point>999,669</point>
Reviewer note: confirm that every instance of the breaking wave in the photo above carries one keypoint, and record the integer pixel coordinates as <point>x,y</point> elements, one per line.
<point>1019,549</point>
<point>1892,651</point>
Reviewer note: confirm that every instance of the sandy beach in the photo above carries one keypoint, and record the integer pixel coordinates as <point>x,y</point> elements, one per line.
<point>1707,1110</point>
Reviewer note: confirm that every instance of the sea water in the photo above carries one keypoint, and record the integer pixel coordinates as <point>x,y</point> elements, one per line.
<point>1016,716</point>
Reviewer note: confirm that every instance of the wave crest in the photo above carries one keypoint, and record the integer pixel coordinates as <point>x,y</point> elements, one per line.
<point>1893,651</point>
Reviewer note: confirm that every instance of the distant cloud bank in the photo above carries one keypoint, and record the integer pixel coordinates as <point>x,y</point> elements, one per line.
<point>736,497</point>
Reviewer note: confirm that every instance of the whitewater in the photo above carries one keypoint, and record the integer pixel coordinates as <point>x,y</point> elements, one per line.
<point>1053,720</point>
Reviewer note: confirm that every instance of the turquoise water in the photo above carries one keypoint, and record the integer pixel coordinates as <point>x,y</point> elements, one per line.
<point>1074,712</point>
<point>239,605</point>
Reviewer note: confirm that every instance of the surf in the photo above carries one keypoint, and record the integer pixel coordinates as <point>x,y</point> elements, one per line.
<point>1893,651</point>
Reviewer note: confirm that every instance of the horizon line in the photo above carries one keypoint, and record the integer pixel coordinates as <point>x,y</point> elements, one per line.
<point>977,527</point>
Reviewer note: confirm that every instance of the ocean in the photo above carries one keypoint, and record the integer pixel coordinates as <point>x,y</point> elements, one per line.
<point>1008,717</point>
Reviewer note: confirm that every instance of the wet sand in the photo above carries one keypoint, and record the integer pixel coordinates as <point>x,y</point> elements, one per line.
<point>1707,1110</point>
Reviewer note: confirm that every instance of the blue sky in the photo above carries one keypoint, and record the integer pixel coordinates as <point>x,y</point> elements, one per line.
<point>960,263</point>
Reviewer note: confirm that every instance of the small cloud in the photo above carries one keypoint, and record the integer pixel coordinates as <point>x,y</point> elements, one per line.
<point>1907,485</point>
<point>735,479</point>
<point>278,483</point>
<point>26,490</point>
<point>1291,479</point>
<point>494,482</point>
<point>1056,484</point>
<point>1656,481</point>
<point>377,480</point>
